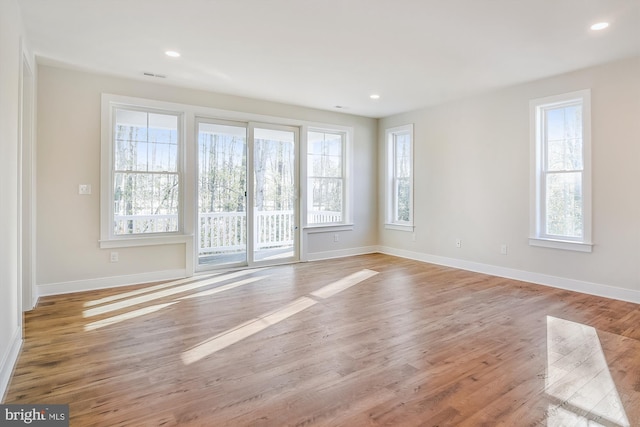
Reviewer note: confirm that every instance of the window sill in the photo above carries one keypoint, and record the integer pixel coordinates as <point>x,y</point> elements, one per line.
<point>128,242</point>
<point>561,244</point>
<point>399,227</point>
<point>329,228</point>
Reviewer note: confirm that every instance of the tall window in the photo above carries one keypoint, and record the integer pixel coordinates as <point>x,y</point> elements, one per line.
<point>326,177</point>
<point>145,172</point>
<point>400,177</point>
<point>561,199</point>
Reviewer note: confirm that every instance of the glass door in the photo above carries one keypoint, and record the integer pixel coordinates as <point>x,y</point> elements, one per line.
<point>274,194</point>
<point>222,194</point>
<point>247,194</point>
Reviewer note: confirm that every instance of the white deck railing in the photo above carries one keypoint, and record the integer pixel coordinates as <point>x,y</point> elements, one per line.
<point>222,231</point>
<point>139,224</point>
<point>323,217</point>
<point>226,231</point>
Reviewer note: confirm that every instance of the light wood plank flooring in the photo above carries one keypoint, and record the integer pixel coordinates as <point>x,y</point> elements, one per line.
<point>362,341</point>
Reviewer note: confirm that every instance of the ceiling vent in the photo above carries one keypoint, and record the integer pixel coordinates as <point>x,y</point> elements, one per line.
<point>160,76</point>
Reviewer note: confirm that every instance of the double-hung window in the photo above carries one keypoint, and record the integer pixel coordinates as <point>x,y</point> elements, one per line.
<point>561,172</point>
<point>399,192</point>
<point>143,196</point>
<point>326,177</point>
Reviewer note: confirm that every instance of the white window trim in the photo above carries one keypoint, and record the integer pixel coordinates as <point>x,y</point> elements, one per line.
<point>107,238</point>
<point>188,162</point>
<point>390,223</point>
<point>347,167</point>
<point>536,237</point>
<point>399,227</point>
<point>329,228</point>
<point>560,244</point>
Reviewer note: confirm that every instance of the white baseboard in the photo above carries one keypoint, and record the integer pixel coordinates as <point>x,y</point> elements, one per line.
<point>525,276</point>
<point>509,273</point>
<point>8,362</point>
<point>341,253</point>
<point>108,282</point>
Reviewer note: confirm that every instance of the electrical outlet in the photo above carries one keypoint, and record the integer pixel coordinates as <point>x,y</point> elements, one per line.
<point>113,257</point>
<point>504,249</point>
<point>458,243</point>
<point>84,189</point>
<point>336,237</point>
<point>413,237</point>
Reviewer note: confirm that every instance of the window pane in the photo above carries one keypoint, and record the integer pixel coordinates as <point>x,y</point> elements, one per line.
<point>325,143</point>
<point>403,198</point>
<point>564,204</point>
<point>564,138</point>
<point>274,171</point>
<point>403,155</point>
<point>324,154</point>
<point>145,141</point>
<point>145,203</point>
<point>325,183</point>
<point>163,128</point>
<point>399,175</point>
<point>222,168</point>
<point>133,123</point>
<point>325,202</point>
<point>324,165</point>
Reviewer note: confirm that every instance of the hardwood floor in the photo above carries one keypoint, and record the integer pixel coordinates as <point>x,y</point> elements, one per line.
<point>362,341</point>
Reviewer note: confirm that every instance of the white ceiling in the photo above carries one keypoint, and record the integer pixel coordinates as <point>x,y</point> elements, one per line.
<point>324,53</point>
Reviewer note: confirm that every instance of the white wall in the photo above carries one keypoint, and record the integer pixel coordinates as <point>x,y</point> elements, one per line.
<point>10,313</point>
<point>68,256</point>
<point>472,183</point>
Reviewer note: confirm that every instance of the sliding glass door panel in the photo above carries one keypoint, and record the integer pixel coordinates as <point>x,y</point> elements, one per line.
<point>222,194</point>
<point>275,188</point>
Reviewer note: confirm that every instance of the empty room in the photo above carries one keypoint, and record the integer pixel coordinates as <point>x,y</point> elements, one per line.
<point>337,213</point>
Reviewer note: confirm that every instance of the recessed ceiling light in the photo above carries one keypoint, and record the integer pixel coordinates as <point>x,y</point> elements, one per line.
<point>374,96</point>
<point>599,26</point>
<point>172,53</point>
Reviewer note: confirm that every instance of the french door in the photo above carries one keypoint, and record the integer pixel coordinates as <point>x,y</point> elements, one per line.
<point>247,194</point>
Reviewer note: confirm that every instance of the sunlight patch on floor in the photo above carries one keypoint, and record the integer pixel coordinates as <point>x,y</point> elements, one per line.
<point>126,316</point>
<point>144,290</point>
<point>224,287</point>
<point>578,378</point>
<point>245,330</point>
<point>165,293</point>
<point>342,284</point>
<point>253,326</point>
